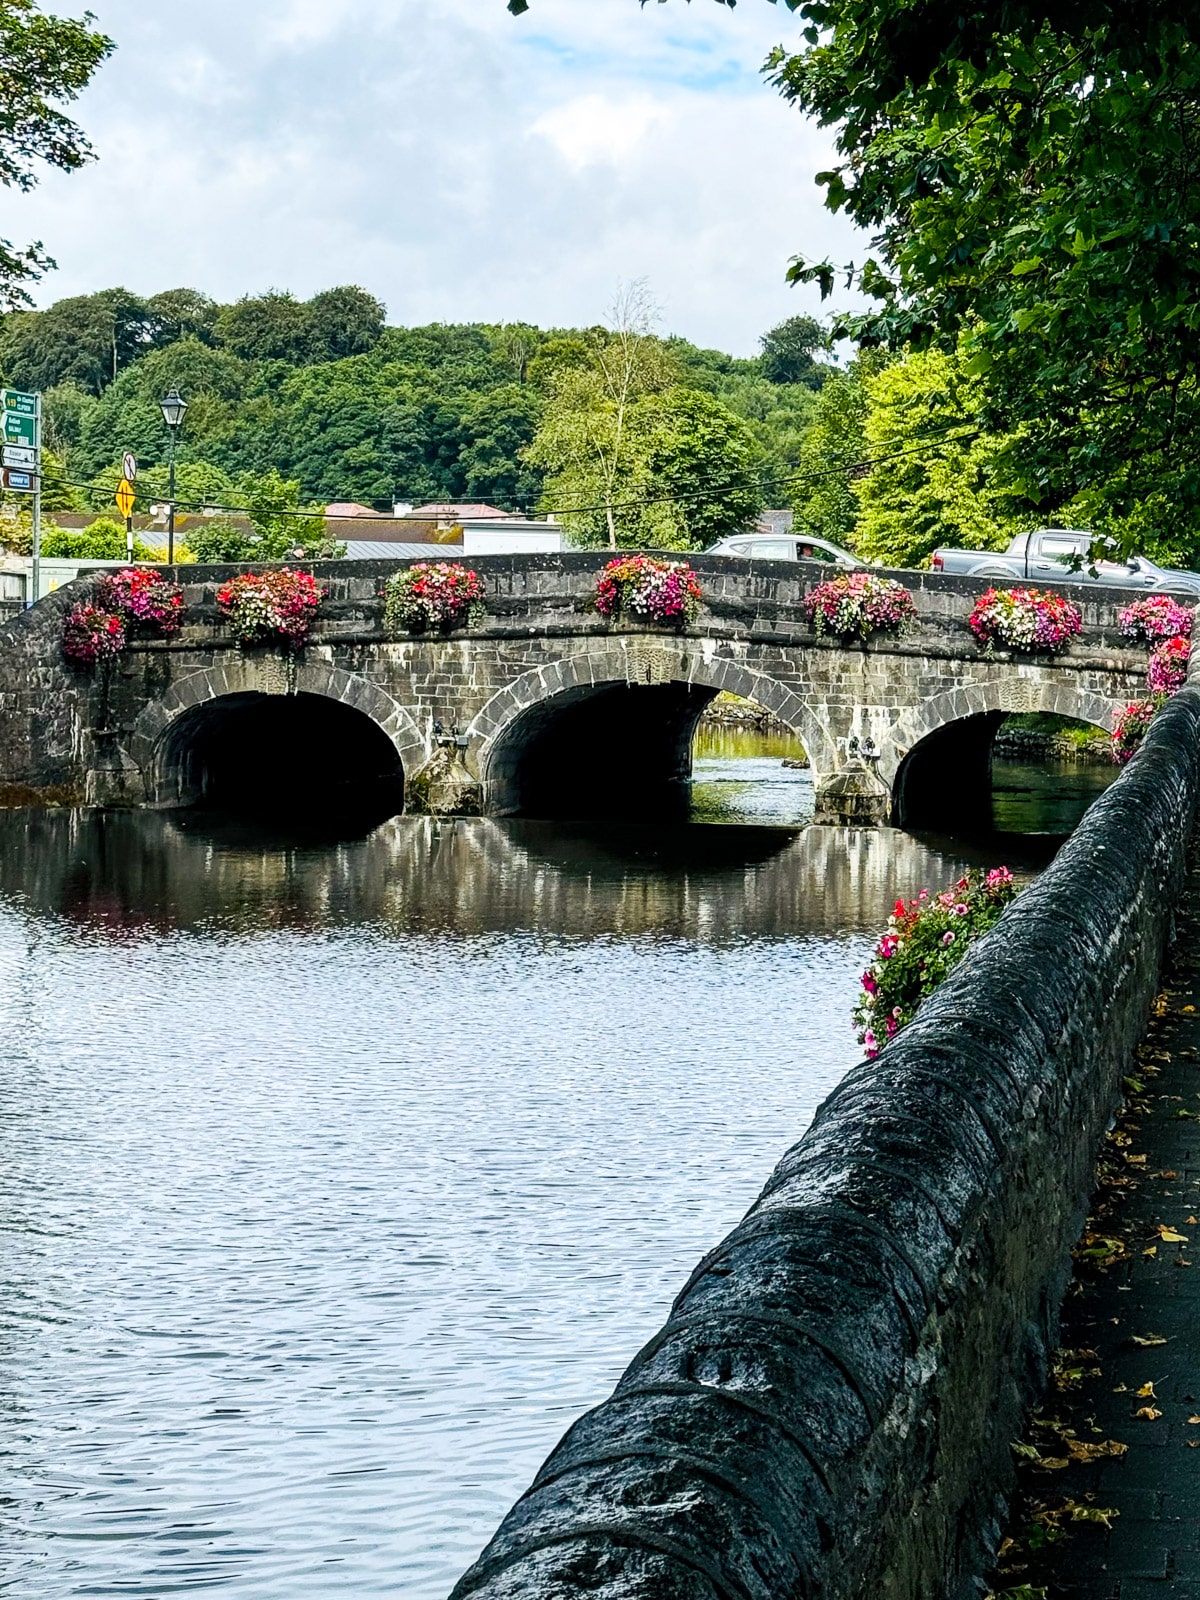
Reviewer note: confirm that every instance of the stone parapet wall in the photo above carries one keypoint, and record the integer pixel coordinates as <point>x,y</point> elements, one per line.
<point>829,1408</point>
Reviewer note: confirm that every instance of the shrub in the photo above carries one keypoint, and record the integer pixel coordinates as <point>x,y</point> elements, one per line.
<point>858,604</point>
<point>926,938</point>
<point>1024,619</point>
<point>1156,617</point>
<point>271,607</point>
<point>103,540</point>
<point>648,590</point>
<point>144,599</point>
<point>91,634</point>
<point>219,541</point>
<point>1129,727</point>
<point>1168,667</point>
<point>432,595</point>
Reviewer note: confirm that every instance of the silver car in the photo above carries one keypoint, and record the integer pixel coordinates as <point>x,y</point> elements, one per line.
<point>787,547</point>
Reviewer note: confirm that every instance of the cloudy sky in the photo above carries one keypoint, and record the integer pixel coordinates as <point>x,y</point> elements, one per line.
<point>460,163</point>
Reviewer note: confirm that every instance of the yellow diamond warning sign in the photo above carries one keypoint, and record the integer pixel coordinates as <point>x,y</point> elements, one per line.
<point>125,497</point>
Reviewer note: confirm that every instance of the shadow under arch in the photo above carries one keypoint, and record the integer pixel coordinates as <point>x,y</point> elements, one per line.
<point>279,756</point>
<point>945,781</point>
<point>608,732</point>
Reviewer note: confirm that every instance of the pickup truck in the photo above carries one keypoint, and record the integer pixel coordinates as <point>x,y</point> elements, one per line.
<point>1047,553</point>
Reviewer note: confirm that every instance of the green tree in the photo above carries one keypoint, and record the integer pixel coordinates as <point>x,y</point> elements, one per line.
<point>833,454</point>
<point>182,314</point>
<point>266,327</point>
<point>87,339</point>
<point>44,62</point>
<point>343,322</point>
<point>1027,173</point>
<point>789,352</point>
<point>935,477</point>
<point>705,466</point>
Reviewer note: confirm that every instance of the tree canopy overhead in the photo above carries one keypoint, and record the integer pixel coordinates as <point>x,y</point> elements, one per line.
<point>44,62</point>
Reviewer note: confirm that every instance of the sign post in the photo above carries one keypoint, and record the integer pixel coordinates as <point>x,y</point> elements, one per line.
<point>125,498</point>
<point>21,457</point>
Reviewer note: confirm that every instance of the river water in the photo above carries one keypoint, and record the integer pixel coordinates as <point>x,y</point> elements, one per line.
<point>339,1177</point>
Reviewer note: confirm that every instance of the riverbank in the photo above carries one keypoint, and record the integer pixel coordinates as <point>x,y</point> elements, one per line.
<point>731,711</point>
<point>1044,738</point>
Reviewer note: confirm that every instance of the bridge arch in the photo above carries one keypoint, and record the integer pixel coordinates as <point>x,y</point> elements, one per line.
<point>620,712</point>
<point>263,731</point>
<point>937,757</point>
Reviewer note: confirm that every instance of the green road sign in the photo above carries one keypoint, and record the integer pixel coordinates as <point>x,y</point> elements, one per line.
<point>17,400</point>
<point>20,429</point>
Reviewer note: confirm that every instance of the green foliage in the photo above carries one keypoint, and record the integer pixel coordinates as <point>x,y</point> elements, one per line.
<point>219,541</point>
<point>789,352</point>
<point>831,452</point>
<point>103,540</point>
<point>1026,173</point>
<point>44,61</point>
<point>85,340</point>
<point>935,479</point>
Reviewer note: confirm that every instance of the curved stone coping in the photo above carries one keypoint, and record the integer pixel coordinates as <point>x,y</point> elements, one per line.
<point>828,1409</point>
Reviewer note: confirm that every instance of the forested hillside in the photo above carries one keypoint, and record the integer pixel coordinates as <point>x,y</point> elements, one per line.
<point>326,394</point>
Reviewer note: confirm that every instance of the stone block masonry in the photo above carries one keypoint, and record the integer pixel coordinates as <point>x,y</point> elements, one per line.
<point>829,1409</point>
<point>120,735</point>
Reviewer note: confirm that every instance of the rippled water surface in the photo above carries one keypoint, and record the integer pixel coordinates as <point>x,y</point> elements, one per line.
<point>339,1178</point>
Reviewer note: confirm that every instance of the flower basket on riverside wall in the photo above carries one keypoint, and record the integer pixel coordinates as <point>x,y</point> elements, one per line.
<point>1034,621</point>
<point>855,605</point>
<point>271,608</point>
<point>135,600</point>
<point>643,589</point>
<point>926,937</point>
<point>1130,724</point>
<point>1156,617</point>
<point>432,597</point>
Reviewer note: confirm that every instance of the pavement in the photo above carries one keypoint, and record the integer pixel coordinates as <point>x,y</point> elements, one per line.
<point>1109,1501</point>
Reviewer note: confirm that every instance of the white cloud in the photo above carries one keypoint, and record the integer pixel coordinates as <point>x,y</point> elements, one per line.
<point>458,162</point>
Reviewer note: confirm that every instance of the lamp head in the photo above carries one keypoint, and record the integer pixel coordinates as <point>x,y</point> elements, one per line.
<point>173,407</point>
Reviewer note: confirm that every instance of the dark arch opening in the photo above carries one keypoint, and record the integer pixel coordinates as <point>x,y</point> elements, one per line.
<point>262,756</point>
<point>945,782</point>
<point>613,750</point>
<point>1039,778</point>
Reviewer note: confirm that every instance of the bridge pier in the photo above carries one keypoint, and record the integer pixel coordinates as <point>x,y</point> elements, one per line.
<point>855,797</point>
<point>444,787</point>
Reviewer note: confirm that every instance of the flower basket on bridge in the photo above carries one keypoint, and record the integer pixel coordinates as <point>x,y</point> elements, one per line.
<point>645,589</point>
<point>926,937</point>
<point>145,599</point>
<point>91,634</point>
<point>1024,619</point>
<point>273,608</point>
<point>1156,617</point>
<point>857,604</point>
<point>432,596</point>
<point>1130,724</point>
<point>1168,668</point>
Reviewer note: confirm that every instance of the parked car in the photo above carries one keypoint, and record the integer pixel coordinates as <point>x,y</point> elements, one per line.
<point>1047,553</point>
<point>786,547</point>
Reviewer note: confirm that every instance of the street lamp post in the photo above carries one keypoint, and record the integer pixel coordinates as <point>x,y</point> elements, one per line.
<point>173,407</point>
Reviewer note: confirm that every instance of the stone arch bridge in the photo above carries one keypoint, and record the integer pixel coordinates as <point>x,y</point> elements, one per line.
<point>539,709</point>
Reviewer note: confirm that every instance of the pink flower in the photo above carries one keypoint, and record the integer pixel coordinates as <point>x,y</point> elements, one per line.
<point>948,938</point>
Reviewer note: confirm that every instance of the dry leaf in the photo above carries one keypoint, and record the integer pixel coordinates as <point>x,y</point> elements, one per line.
<point>1192,1221</point>
<point>1053,1463</point>
<point>1093,1452</point>
<point>1194,1419</point>
<point>1169,1235</point>
<point>1145,1339</point>
<point>1136,1161</point>
<point>1150,1250</point>
<point>1146,1392</point>
<point>1149,1413</point>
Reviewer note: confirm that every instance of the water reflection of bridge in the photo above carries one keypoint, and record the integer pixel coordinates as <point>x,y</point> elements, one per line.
<point>149,873</point>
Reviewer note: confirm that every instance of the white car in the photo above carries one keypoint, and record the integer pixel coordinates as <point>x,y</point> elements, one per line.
<point>787,547</point>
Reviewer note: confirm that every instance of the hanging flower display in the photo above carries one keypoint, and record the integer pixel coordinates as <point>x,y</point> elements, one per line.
<point>1129,727</point>
<point>271,607</point>
<point>1024,619</point>
<point>926,937</point>
<point>1156,617</point>
<point>645,589</point>
<point>855,605</point>
<point>91,634</point>
<point>144,598</point>
<point>432,595</point>
<point>1168,667</point>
